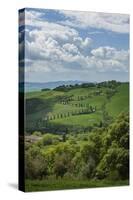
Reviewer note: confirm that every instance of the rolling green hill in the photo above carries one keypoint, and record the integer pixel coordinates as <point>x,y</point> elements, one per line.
<point>77,107</point>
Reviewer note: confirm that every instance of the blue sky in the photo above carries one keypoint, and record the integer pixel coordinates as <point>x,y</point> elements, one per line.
<point>75,45</point>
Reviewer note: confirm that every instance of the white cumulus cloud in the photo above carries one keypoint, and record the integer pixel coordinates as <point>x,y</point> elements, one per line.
<point>57,47</point>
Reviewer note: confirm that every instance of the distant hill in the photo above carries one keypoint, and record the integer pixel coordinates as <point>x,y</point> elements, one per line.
<point>36,86</point>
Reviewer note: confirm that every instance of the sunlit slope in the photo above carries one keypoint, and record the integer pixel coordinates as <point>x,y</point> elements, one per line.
<point>120,101</point>
<point>67,108</point>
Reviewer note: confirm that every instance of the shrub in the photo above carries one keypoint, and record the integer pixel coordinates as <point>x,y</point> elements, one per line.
<point>60,166</point>
<point>49,139</point>
<point>87,170</point>
<point>88,151</point>
<point>37,133</point>
<point>35,168</point>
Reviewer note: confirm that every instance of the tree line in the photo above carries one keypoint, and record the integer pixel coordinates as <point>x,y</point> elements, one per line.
<point>110,84</point>
<point>89,110</point>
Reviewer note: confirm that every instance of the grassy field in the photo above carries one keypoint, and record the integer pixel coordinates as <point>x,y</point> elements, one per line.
<point>79,120</point>
<point>45,104</point>
<point>47,185</point>
<point>120,101</point>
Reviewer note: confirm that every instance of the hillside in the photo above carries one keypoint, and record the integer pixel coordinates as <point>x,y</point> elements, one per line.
<point>120,101</point>
<point>76,108</point>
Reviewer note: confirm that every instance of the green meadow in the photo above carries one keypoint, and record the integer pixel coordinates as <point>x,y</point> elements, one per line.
<point>68,107</point>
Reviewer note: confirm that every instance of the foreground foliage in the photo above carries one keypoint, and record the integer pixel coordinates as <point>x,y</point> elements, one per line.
<point>93,159</point>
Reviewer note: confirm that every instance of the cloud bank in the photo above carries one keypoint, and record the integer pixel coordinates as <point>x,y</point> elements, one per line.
<point>59,47</point>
